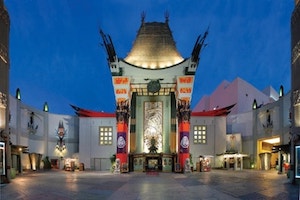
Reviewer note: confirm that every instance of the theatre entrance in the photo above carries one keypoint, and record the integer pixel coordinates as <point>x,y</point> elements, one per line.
<point>144,162</point>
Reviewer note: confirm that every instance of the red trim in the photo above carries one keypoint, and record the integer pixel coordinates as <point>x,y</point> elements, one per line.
<point>89,113</point>
<point>218,112</point>
<point>211,113</point>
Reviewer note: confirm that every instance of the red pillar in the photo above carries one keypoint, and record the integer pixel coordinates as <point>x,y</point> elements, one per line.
<point>184,142</point>
<point>122,142</point>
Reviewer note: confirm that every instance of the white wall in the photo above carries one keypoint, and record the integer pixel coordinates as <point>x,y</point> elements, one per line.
<point>44,139</point>
<point>89,147</point>
<point>216,138</point>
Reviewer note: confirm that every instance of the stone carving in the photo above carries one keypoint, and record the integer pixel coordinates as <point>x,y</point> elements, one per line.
<point>153,148</point>
<point>117,168</point>
<point>187,166</point>
<point>122,112</point>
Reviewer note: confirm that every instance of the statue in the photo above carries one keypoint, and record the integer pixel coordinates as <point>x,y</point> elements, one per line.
<point>117,168</point>
<point>187,166</point>
<point>153,148</point>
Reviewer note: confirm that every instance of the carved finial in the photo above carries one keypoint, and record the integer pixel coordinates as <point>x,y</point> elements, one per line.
<point>143,15</point>
<point>167,16</point>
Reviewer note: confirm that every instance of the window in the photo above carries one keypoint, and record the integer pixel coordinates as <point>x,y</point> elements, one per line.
<point>105,135</point>
<point>200,135</point>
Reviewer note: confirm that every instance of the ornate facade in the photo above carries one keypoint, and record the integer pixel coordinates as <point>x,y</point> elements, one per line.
<point>153,88</point>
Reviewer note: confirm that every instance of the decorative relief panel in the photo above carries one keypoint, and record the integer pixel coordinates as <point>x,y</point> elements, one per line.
<point>153,120</point>
<point>3,53</point>
<point>3,100</point>
<point>296,52</point>
<point>296,97</point>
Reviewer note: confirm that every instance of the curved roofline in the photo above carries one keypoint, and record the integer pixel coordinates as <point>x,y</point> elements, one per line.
<point>185,59</point>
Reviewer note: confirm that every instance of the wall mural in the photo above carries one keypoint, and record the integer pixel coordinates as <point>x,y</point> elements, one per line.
<point>31,125</point>
<point>233,143</point>
<point>153,121</point>
<point>61,133</point>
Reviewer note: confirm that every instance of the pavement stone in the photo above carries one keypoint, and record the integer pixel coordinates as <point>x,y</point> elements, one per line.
<point>213,185</point>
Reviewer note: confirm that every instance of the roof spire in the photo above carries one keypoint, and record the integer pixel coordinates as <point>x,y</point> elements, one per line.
<point>167,16</point>
<point>143,15</point>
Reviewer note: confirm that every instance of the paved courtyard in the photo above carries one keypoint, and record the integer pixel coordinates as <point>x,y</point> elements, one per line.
<point>217,184</point>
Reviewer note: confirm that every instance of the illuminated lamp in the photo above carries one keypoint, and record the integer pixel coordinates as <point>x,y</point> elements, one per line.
<point>254,105</point>
<point>281,92</point>
<point>18,94</point>
<point>46,108</point>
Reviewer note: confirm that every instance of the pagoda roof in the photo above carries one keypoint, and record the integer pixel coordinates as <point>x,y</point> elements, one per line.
<point>154,47</point>
<point>81,112</point>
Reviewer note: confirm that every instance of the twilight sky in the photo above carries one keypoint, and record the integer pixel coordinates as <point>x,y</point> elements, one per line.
<point>56,54</point>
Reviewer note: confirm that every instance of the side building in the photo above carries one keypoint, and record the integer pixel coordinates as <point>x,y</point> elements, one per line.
<point>261,119</point>
<point>39,138</point>
<point>4,94</point>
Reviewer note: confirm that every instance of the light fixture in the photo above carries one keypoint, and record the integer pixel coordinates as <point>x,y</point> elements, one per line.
<point>18,94</point>
<point>254,105</point>
<point>46,108</point>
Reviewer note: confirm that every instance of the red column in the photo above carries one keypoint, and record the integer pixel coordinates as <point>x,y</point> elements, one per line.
<point>184,142</point>
<point>122,141</point>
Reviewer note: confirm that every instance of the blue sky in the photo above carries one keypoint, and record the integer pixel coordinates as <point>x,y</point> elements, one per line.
<point>56,54</point>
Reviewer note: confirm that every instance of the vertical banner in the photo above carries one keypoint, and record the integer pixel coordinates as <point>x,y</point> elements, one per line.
<point>184,142</point>
<point>121,142</point>
<point>122,94</point>
<point>122,116</point>
<point>183,114</point>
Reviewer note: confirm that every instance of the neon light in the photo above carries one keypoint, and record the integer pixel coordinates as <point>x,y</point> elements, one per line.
<point>121,80</point>
<point>186,79</point>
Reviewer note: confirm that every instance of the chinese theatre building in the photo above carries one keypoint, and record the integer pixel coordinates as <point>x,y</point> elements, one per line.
<point>153,87</point>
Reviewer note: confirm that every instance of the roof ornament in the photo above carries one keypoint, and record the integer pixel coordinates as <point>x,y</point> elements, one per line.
<point>167,16</point>
<point>109,46</point>
<point>143,15</point>
<point>199,45</point>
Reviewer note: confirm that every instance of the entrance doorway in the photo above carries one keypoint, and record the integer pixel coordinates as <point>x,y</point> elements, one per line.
<point>266,157</point>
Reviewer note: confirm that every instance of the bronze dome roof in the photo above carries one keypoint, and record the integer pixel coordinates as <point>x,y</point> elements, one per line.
<point>154,47</point>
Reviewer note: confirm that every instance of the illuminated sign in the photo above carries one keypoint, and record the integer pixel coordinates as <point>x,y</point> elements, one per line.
<point>121,87</point>
<point>186,90</point>
<point>121,80</point>
<point>297,163</point>
<point>185,87</point>
<point>186,79</point>
<point>121,91</point>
